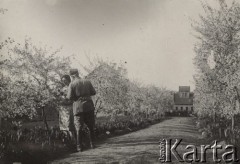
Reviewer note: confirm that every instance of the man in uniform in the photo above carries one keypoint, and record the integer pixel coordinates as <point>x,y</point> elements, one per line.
<point>80,91</point>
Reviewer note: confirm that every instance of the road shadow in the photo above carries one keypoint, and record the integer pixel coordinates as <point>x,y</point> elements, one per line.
<point>141,146</point>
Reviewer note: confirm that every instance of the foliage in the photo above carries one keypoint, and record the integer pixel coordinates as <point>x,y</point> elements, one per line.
<point>111,86</point>
<point>12,141</point>
<point>31,77</point>
<point>219,36</point>
<point>218,63</point>
<point>116,94</point>
<point>30,81</point>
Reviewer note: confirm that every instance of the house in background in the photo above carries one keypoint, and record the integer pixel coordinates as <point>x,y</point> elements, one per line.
<point>183,101</point>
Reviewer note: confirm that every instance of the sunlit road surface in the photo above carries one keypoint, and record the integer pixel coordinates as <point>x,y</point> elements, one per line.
<point>141,146</point>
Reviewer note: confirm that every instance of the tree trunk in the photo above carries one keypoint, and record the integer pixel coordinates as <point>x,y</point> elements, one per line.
<point>233,126</point>
<point>46,124</point>
<point>214,117</point>
<point>220,132</point>
<point>233,122</point>
<point>233,116</point>
<point>147,113</point>
<point>45,118</point>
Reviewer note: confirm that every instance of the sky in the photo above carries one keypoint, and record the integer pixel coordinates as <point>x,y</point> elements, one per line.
<point>153,37</point>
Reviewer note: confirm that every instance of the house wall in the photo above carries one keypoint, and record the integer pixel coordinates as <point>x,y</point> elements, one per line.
<point>181,108</point>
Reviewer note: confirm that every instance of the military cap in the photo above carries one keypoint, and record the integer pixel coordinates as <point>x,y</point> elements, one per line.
<point>73,71</point>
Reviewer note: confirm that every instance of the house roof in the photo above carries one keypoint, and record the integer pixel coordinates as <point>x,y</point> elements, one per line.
<point>184,88</point>
<point>183,101</point>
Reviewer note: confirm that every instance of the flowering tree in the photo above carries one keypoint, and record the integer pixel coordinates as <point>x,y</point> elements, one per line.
<point>217,85</point>
<point>116,94</point>
<point>111,85</point>
<point>31,79</point>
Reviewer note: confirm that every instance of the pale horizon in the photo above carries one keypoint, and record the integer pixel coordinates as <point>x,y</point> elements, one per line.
<point>153,37</point>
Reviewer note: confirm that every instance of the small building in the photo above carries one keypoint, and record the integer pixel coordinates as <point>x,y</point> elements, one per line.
<point>183,101</point>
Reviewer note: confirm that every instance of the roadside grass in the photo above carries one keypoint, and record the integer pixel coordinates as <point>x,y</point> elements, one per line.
<point>42,151</point>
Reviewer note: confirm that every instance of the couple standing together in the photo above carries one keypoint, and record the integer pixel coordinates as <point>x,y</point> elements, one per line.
<point>74,115</point>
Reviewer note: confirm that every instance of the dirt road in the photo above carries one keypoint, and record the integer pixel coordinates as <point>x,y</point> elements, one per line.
<point>138,147</point>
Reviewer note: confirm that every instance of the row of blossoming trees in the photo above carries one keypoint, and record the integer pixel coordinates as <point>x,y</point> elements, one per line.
<point>118,95</point>
<point>30,81</point>
<point>218,67</point>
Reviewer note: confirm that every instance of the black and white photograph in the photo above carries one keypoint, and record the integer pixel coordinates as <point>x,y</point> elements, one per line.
<point>119,81</point>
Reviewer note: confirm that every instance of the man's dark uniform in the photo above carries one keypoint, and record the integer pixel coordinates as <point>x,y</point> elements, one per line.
<point>80,91</point>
